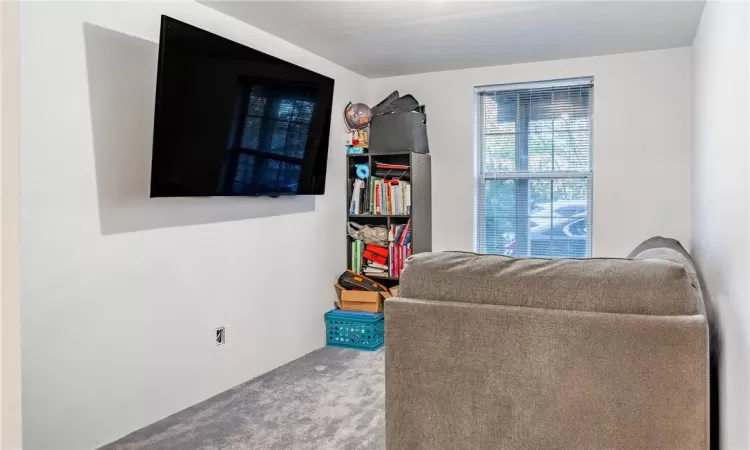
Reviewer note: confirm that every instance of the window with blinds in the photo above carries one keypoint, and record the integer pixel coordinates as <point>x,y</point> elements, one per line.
<point>534,176</point>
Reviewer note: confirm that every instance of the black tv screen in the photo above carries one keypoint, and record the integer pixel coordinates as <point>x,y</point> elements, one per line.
<point>231,120</point>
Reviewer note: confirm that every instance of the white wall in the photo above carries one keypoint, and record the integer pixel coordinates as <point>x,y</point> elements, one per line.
<point>641,143</point>
<point>120,295</point>
<point>721,236</point>
<point>10,326</point>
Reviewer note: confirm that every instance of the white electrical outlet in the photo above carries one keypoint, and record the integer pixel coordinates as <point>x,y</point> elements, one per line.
<point>220,336</point>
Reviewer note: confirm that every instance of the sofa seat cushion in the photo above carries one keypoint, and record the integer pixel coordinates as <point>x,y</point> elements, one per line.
<point>638,286</point>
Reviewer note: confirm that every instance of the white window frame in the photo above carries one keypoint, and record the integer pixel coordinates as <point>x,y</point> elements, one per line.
<point>482,177</point>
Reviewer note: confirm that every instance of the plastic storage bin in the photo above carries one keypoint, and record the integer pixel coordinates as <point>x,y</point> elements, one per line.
<point>353,329</point>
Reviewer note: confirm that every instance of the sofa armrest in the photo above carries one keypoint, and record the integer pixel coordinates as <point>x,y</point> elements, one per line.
<point>463,375</point>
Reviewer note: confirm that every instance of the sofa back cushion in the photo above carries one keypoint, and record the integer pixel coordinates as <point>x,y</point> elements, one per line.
<point>638,286</point>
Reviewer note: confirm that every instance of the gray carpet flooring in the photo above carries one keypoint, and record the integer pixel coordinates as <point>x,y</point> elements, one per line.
<point>330,399</point>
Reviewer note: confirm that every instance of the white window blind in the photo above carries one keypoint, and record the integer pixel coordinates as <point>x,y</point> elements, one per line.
<point>534,177</point>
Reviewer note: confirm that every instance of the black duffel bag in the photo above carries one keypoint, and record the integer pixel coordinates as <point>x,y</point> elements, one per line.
<point>399,124</point>
<point>356,282</point>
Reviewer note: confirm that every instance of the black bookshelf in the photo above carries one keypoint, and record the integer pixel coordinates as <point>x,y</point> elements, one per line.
<point>421,202</point>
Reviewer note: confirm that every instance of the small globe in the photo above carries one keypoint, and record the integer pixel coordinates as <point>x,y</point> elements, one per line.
<point>357,116</point>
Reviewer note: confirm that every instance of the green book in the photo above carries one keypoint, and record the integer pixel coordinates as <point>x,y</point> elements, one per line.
<point>359,256</point>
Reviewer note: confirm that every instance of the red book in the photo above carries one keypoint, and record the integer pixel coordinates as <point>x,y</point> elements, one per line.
<point>391,268</point>
<point>395,260</point>
<point>398,260</point>
<point>391,166</point>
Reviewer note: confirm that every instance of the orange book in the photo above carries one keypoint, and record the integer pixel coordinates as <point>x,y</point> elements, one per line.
<point>387,198</point>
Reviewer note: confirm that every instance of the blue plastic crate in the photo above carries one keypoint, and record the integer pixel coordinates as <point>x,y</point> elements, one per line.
<point>354,329</point>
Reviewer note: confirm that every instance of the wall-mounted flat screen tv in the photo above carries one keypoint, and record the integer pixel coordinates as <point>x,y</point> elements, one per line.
<point>233,121</point>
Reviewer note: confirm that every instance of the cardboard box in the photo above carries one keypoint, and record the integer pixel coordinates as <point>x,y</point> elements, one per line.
<point>367,301</point>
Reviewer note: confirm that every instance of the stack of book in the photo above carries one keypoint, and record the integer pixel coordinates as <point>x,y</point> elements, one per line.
<point>376,260</point>
<point>373,269</point>
<point>397,171</point>
<point>399,249</point>
<point>370,259</point>
<point>390,197</point>
<point>360,198</point>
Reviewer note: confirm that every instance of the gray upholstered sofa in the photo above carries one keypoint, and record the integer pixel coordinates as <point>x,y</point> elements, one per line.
<point>491,352</point>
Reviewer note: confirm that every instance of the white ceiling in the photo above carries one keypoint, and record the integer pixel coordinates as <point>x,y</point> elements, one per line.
<point>385,38</point>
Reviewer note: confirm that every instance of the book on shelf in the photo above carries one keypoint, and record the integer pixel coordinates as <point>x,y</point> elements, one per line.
<point>357,252</point>
<point>391,171</point>
<point>369,259</point>
<point>382,165</point>
<point>356,202</point>
<point>399,248</point>
<point>397,255</point>
<point>388,173</point>
<point>376,266</point>
<point>372,195</point>
<point>377,199</point>
<point>400,234</point>
<point>366,200</point>
<point>376,260</point>
<point>376,273</point>
<point>390,197</point>
<point>379,196</point>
